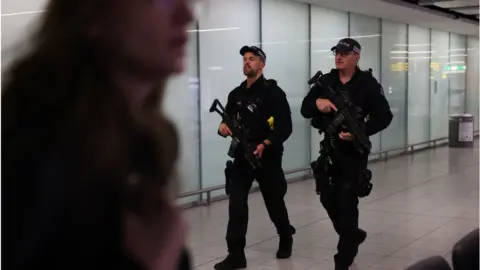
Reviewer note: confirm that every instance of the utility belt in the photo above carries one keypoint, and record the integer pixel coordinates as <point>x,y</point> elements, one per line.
<point>324,172</point>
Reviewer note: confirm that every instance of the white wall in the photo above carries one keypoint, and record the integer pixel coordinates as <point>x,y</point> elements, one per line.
<point>472,79</point>
<point>439,87</point>
<point>181,106</point>
<point>419,57</point>
<point>327,28</point>
<point>285,42</point>
<point>457,78</point>
<point>394,81</point>
<point>367,31</point>
<point>220,72</point>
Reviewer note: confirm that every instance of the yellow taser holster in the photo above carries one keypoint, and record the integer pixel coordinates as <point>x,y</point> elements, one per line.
<point>270,122</point>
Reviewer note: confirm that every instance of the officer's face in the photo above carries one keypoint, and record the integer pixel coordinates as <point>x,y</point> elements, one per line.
<point>346,60</point>
<point>252,64</point>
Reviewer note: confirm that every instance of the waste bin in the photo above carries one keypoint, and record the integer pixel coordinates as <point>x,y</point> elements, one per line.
<point>460,130</point>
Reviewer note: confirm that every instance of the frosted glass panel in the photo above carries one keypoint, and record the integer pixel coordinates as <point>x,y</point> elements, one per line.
<point>472,79</point>
<point>456,70</point>
<point>181,106</point>
<point>439,85</point>
<point>327,28</point>
<point>285,43</point>
<point>366,31</point>
<point>394,81</point>
<point>419,55</point>
<point>223,31</point>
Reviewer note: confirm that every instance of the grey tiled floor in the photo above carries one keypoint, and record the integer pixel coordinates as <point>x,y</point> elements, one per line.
<point>420,206</point>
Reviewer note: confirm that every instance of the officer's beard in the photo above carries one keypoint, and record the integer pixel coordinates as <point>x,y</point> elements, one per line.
<point>250,73</point>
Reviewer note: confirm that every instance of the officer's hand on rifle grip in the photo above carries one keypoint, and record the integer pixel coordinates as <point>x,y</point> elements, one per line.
<point>345,136</point>
<point>325,106</point>
<point>259,150</point>
<point>224,130</point>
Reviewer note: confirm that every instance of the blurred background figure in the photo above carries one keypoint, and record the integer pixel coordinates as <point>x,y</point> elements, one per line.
<point>88,155</point>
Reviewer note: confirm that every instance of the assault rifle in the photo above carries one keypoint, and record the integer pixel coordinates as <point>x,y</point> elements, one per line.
<point>347,115</point>
<point>239,136</point>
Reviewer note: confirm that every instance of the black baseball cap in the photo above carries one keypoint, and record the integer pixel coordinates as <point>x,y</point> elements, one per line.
<point>347,45</point>
<point>255,50</point>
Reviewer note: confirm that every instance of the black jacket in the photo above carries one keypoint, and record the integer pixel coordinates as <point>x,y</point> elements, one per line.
<point>364,92</point>
<point>253,106</point>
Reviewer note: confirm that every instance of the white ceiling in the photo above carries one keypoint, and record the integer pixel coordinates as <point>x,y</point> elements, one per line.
<point>400,13</point>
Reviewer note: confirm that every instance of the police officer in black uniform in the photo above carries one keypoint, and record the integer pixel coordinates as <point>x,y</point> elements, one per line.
<point>256,103</point>
<point>340,198</point>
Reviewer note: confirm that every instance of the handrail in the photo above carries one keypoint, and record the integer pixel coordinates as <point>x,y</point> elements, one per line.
<point>383,153</point>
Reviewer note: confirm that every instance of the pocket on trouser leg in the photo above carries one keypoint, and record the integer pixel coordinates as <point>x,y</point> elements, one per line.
<point>364,183</point>
<point>327,197</point>
<point>229,174</point>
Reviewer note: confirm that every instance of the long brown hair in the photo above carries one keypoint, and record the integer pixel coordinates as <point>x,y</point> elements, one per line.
<point>57,97</point>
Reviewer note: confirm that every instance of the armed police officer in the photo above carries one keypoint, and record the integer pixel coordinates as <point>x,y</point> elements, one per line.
<point>262,109</point>
<point>341,170</point>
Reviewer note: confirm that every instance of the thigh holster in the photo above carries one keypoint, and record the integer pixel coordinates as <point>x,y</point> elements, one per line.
<point>322,173</point>
<point>364,183</point>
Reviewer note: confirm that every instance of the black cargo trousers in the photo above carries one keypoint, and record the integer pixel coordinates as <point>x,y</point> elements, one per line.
<point>273,186</point>
<point>340,200</point>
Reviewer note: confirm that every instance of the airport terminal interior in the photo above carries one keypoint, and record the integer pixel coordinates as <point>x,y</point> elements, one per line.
<point>421,205</point>
<point>425,58</point>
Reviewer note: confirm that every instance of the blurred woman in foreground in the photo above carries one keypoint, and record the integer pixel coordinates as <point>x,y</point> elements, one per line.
<point>87,155</point>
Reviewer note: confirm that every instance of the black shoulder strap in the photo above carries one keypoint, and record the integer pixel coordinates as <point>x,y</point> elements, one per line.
<point>328,81</point>
<point>367,72</point>
<point>368,75</point>
<point>271,85</point>
<point>270,82</point>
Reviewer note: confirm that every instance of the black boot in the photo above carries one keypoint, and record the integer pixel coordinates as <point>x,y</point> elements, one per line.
<point>232,262</point>
<point>285,247</point>
<point>340,263</point>
<point>339,266</point>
